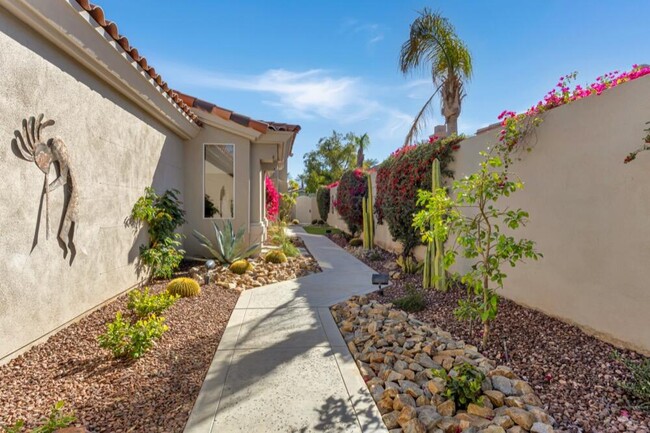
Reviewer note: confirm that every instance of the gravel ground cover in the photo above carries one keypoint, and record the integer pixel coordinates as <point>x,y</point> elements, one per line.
<point>574,374</point>
<point>153,394</point>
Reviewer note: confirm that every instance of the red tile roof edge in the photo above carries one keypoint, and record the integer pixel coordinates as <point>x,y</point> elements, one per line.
<point>110,27</point>
<point>258,125</point>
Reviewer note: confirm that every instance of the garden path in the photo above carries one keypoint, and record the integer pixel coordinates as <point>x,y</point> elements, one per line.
<point>282,365</point>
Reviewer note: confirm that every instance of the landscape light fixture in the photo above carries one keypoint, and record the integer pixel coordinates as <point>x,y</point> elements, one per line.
<point>380,280</point>
<point>209,265</point>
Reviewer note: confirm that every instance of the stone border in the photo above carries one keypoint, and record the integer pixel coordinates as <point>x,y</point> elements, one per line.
<point>396,355</point>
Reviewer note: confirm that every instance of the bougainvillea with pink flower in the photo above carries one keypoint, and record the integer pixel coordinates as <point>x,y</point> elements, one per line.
<point>515,126</point>
<point>399,177</point>
<point>352,187</point>
<point>272,200</point>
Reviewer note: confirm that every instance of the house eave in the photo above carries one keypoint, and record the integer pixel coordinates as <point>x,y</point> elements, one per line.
<point>75,32</point>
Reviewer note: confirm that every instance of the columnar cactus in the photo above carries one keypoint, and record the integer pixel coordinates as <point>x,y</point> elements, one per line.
<point>368,219</point>
<point>434,272</point>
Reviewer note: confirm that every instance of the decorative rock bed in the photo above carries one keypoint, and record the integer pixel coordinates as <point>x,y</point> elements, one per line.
<point>397,355</point>
<point>262,273</point>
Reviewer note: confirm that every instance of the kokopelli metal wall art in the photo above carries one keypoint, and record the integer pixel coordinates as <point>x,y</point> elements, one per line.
<point>46,153</point>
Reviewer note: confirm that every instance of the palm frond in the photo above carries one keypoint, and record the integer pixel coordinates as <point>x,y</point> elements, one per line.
<point>420,121</point>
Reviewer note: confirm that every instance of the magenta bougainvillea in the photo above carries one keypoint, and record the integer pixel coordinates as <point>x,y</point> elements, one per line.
<point>272,200</point>
<point>352,187</point>
<point>515,125</point>
<point>399,178</point>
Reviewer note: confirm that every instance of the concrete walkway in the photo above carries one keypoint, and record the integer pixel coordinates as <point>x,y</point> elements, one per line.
<point>282,365</point>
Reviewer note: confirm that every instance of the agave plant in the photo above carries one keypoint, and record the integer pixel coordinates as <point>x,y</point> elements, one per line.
<point>230,246</point>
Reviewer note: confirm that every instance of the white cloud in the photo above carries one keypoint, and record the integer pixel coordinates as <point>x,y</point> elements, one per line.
<point>315,93</point>
<point>373,32</point>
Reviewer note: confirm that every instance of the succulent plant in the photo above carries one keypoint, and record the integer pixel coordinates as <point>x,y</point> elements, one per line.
<point>185,287</point>
<point>434,271</point>
<point>355,242</point>
<point>275,256</point>
<point>409,265</point>
<point>240,267</point>
<point>230,245</point>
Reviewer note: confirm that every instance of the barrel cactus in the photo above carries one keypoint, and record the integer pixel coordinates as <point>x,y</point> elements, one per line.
<point>355,242</point>
<point>185,287</point>
<point>240,267</point>
<point>275,256</point>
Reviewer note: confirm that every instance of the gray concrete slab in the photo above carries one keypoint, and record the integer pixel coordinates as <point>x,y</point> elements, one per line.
<point>282,365</point>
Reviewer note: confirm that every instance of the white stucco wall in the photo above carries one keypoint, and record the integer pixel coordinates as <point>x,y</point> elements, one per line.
<point>588,215</point>
<point>116,152</point>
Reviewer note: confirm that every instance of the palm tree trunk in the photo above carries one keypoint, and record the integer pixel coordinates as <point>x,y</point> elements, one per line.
<point>452,125</point>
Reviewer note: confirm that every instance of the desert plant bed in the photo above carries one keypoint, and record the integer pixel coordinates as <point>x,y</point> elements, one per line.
<point>154,393</point>
<point>422,379</point>
<point>575,375</point>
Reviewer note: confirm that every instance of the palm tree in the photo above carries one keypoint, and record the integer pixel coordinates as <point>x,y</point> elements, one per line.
<point>433,44</point>
<point>362,144</point>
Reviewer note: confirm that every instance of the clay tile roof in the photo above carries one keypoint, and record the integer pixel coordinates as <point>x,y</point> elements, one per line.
<point>111,28</point>
<point>258,125</point>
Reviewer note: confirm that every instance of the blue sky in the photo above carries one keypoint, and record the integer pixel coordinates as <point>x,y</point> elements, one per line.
<point>332,65</point>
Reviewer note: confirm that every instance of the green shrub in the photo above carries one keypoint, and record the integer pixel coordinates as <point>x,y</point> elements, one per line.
<point>323,201</point>
<point>413,301</point>
<point>143,304</point>
<point>126,340</point>
<point>638,386</point>
<point>55,421</point>
<point>275,256</point>
<point>463,384</point>
<point>183,287</point>
<point>399,178</point>
<point>314,222</point>
<point>289,249</point>
<point>355,242</point>
<point>351,191</point>
<point>240,267</point>
<point>229,246</point>
<point>163,214</point>
<point>373,255</point>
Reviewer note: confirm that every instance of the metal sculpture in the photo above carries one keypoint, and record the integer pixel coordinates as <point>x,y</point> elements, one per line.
<point>46,153</point>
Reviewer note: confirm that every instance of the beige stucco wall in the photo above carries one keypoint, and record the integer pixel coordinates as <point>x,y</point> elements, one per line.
<point>589,215</point>
<point>193,181</point>
<point>116,151</point>
<point>303,209</point>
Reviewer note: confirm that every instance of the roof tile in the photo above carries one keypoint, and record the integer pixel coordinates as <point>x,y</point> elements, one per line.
<point>111,28</point>
<point>258,125</point>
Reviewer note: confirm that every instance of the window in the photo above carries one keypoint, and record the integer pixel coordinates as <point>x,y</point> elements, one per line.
<point>218,181</point>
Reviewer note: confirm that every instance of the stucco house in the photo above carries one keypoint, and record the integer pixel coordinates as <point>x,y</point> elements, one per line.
<point>121,128</point>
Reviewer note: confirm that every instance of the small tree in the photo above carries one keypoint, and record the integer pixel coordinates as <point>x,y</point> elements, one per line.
<point>288,201</point>
<point>323,200</point>
<point>480,236</point>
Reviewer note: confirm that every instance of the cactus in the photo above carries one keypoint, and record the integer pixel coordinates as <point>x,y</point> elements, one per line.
<point>368,219</point>
<point>434,271</point>
<point>408,265</point>
<point>185,287</point>
<point>240,267</point>
<point>355,242</point>
<point>275,256</point>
